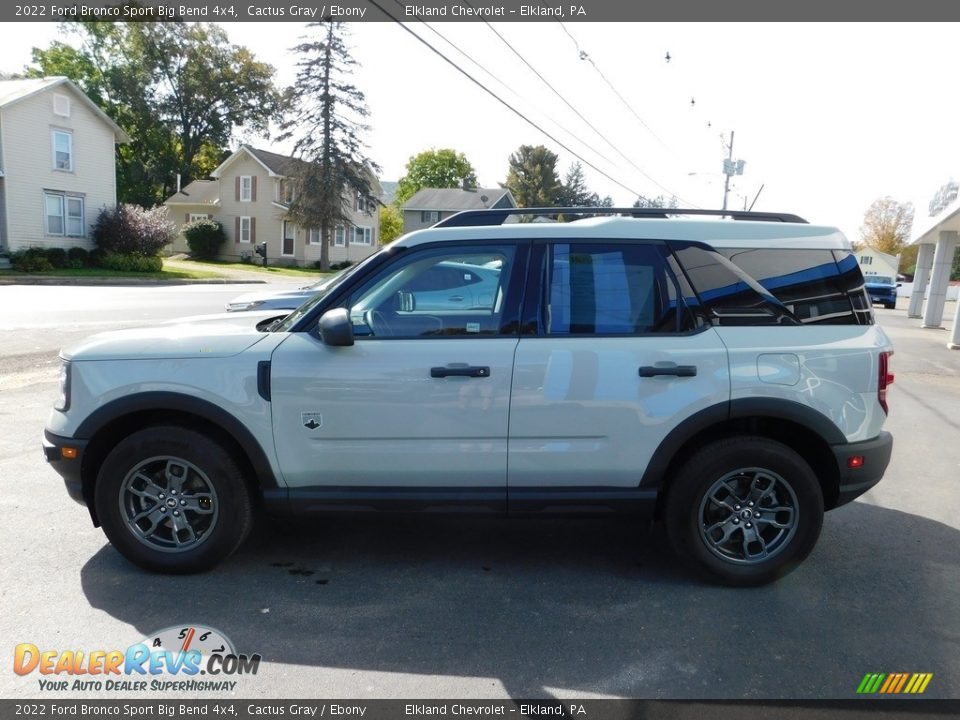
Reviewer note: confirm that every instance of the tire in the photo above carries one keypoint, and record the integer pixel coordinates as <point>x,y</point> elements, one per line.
<point>890,306</point>
<point>163,528</point>
<point>707,511</point>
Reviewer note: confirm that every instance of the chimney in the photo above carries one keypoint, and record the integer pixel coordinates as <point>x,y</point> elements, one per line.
<point>178,182</point>
<point>467,184</point>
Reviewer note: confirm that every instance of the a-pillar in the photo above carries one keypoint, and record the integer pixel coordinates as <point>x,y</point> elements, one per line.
<point>939,279</point>
<point>920,279</point>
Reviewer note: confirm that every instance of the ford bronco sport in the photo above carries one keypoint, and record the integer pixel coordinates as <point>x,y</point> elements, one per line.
<point>723,375</point>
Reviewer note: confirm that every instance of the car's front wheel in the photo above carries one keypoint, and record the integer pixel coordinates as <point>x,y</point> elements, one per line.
<point>744,511</point>
<point>173,500</point>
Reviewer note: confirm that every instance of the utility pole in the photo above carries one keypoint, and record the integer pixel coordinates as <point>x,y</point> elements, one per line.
<point>728,171</point>
<point>730,168</point>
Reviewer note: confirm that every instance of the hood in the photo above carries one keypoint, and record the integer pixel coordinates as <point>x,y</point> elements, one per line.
<point>207,336</point>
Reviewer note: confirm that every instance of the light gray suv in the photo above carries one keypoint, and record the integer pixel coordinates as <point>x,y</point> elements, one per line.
<point>724,375</point>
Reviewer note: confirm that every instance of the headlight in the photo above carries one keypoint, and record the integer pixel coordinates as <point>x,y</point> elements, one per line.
<point>63,402</point>
<point>233,307</point>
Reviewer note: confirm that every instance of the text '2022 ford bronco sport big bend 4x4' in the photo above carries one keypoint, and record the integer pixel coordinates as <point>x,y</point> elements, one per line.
<point>725,375</point>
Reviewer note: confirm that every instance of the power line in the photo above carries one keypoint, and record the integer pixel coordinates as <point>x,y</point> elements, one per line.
<point>507,87</point>
<point>577,112</point>
<point>501,100</point>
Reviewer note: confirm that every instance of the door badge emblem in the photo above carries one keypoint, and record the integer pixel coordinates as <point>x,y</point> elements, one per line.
<point>311,420</point>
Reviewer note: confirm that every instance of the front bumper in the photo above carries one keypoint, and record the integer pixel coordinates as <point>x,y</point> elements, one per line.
<point>69,468</point>
<point>856,481</point>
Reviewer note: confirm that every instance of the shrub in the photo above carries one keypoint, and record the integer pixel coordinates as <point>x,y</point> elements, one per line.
<point>204,237</point>
<point>131,230</point>
<point>77,257</point>
<point>31,260</point>
<point>341,265</point>
<point>132,263</point>
<point>57,257</point>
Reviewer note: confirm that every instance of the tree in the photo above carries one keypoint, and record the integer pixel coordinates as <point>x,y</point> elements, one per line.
<point>886,225</point>
<point>326,114</point>
<point>391,224</point>
<point>658,202</point>
<point>532,177</point>
<point>444,168</point>
<point>179,90</point>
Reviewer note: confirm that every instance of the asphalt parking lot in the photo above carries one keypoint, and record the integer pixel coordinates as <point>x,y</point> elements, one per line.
<point>476,608</point>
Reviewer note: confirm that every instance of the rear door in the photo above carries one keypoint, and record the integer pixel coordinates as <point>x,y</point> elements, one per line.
<point>610,362</point>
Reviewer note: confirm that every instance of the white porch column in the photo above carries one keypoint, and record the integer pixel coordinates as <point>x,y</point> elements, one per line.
<point>939,279</point>
<point>921,277</point>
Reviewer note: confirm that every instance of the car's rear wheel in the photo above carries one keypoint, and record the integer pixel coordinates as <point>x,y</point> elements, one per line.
<point>173,500</point>
<point>744,511</point>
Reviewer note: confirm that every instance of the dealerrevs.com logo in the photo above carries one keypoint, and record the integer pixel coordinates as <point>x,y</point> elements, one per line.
<point>188,658</point>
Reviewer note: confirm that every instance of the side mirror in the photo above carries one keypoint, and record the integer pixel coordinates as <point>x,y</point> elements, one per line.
<point>406,302</point>
<point>336,329</point>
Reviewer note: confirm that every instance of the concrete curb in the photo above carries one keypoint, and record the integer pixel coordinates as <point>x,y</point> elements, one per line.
<point>123,282</point>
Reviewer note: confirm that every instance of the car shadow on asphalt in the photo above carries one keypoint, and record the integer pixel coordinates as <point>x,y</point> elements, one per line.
<point>576,605</point>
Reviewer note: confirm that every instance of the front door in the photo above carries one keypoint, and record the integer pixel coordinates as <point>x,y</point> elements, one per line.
<point>288,246</point>
<point>421,399</point>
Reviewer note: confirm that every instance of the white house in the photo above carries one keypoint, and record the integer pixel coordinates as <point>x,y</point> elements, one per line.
<point>874,262</point>
<point>249,195</point>
<point>57,163</point>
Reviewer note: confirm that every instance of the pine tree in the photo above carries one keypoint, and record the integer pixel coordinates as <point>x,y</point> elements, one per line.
<point>326,118</point>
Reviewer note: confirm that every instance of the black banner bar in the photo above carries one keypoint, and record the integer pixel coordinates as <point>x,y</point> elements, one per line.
<point>478,11</point>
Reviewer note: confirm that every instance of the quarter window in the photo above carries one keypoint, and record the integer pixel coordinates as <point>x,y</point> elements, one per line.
<point>62,150</point>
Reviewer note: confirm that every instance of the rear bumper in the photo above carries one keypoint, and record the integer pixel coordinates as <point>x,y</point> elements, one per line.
<point>67,468</point>
<point>876,457</point>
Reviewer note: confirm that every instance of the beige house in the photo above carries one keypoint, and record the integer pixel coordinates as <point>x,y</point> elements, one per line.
<point>57,164</point>
<point>249,195</point>
<point>431,205</point>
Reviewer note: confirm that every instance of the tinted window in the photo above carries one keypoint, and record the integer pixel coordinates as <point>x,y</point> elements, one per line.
<point>807,282</point>
<point>610,290</point>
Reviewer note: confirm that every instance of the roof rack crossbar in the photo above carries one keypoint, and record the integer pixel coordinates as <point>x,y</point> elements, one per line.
<point>497,216</point>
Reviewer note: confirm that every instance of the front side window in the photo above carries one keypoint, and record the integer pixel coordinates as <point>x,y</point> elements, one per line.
<point>442,292</point>
<point>616,289</point>
<point>62,150</point>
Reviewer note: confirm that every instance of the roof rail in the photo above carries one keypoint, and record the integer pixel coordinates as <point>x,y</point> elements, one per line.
<point>497,216</point>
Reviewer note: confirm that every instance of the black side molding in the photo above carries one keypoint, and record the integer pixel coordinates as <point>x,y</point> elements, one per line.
<point>263,379</point>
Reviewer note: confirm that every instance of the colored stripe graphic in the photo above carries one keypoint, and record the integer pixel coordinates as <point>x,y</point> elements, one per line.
<point>894,683</point>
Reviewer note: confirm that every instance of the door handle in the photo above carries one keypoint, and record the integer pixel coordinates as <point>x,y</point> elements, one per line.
<point>675,370</point>
<point>455,298</point>
<point>460,371</point>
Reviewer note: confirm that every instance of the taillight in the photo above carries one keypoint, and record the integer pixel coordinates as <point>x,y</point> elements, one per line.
<point>884,380</point>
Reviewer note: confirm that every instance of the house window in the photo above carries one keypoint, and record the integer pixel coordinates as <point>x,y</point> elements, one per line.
<point>244,229</point>
<point>866,260</point>
<point>430,216</point>
<point>313,236</point>
<point>339,237</point>
<point>362,236</point>
<point>286,192</point>
<point>62,150</point>
<point>197,216</point>
<point>246,188</point>
<point>61,105</point>
<point>64,215</point>
<point>363,203</point>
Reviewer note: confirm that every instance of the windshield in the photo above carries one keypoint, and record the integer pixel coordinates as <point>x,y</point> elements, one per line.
<point>325,289</point>
<point>879,279</point>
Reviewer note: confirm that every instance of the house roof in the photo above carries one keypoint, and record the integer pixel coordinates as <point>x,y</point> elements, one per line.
<point>456,199</point>
<point>13,91</point>
<point>199,192</point>
<point>276,164</point>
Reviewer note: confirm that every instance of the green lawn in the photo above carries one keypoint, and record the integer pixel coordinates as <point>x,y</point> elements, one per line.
<point>253,267</point>
<point>177,274</point>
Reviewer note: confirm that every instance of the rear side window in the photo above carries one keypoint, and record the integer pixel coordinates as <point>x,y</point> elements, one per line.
<point>806,282</point>
<point>761,286</point>
<point>615,289</point>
